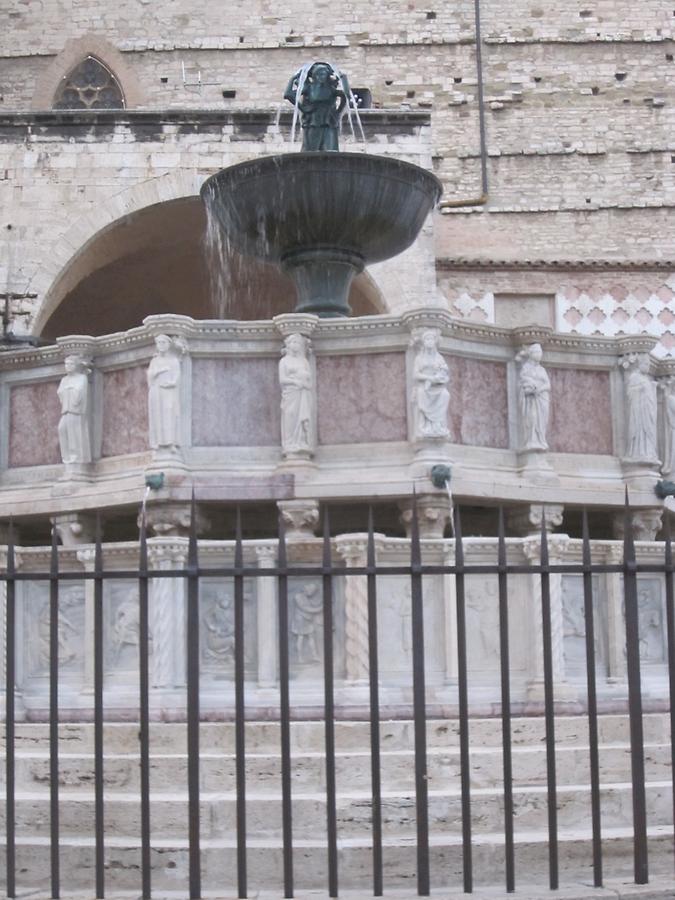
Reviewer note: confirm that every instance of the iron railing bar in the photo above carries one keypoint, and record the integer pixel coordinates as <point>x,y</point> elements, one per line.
<point>641,871</point>
<point>285,713</point>
<point>144,708</point>
<point>374,696</point>
<point>505,705</point>
<point>463,699</point>
<point>99,823</point>
<point>549,711</point>
<point>54,716</point>
<point>419,708</point>
<point>193,715</point>
<point>591,692</point>
<point>670,630</point>
<point>10,726</point>
<point>294,571</point>
<point>240,712</point>
<point>329,711</point>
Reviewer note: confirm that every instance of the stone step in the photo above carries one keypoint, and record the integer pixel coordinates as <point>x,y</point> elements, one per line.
<point>217,770</point>
<point>171,737</point>
<point>218,862</point>
<point>169,812</point>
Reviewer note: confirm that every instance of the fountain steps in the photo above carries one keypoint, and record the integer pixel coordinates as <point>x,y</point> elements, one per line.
<point>218,804</point>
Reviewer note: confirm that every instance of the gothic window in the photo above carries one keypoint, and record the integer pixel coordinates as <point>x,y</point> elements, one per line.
<point>90,85</point>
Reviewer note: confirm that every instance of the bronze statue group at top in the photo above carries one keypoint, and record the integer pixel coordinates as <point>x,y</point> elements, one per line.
<point>320,93</point>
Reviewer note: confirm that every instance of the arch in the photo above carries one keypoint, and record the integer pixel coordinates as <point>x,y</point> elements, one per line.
<point>90,85</point>
<point>148,259</point>
<point>76,51</point>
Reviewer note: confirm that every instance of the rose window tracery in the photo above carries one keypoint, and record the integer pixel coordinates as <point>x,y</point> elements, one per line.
<point>90,85</point>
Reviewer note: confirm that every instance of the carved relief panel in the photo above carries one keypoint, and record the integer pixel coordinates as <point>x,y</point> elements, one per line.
<point>36,630</point>
<point>217,629</point>
<point>574,628</point>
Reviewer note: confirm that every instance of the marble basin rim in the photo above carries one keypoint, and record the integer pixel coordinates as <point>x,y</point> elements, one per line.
<point>322,217</point>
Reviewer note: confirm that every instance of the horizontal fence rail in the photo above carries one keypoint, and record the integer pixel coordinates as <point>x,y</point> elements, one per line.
<point>373,576</point>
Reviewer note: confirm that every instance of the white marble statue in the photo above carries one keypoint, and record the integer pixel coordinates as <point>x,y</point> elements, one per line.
<point>297,397</point>
<point>73,392</point>
<point>669,410</point>
<point>641,410</point>
<point>430,395</point>
<point>305,620</point>
<point>164,377</point>
<point>534,397</point>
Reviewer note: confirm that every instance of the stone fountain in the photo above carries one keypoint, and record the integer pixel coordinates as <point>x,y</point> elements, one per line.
<point>321,214</point>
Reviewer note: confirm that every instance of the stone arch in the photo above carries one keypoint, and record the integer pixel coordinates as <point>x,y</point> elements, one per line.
<point>74,52</point>
<point>140,253</point>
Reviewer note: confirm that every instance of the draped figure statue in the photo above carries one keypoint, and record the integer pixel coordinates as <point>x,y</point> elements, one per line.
<point>430,395</point>
<point>73,393</point>
<point>297,397</point>
<point>164,376</point>
<point>534,397</point>
<point>641,411</point>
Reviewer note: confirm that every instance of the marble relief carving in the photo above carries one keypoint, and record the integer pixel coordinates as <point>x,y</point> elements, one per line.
<point>70,628</point>
<point>298,415</point>
<point>668,388</point>
<point>164,378</point>
<point>217,640</point>
<point>534,397</point>
<point>574,627</point>
<point>305,623</point>
<point>651,622</point>
<point>429,393</point>
<point>73,393</point>
<point>641,409</point>
<point>122,626</point>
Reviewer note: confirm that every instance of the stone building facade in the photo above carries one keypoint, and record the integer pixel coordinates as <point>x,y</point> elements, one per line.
<point>579,133</point>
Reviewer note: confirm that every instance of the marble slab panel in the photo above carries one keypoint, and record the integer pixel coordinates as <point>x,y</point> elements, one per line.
<point>34,413</point>
<point>125,411</point>
<point>581,412</point>
<point>478,409</point>
<point>236,403</point>
<point>361,398</point>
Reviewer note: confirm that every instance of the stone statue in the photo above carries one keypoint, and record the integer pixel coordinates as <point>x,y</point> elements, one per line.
<point>430,396</point>
<point>73,392</point>
<point>320,94</point>
<point>669,408</point>
<point>641,407</point>
<point>164,376</point>
<point>534,397</point>
<point>297,397</point>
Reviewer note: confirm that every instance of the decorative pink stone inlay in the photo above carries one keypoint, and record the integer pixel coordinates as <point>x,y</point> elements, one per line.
<point>581,418</point>
<point>125,411</point>
<point>34,413</point>
<point>236,403</point>
<point>478,412</point>
<point>361,398</point>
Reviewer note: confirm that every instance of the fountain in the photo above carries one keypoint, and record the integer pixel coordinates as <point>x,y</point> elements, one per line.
<point>321,214</point>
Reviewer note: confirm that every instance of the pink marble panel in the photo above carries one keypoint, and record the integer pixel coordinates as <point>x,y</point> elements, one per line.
<point>581,412</point>
<point>34,413</point>
<point>361,398</point>
<point>478,412</point>
<point>125,411</point>
<point>236,403</point>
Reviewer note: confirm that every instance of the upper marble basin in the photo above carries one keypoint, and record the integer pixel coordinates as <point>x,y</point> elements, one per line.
<point>368,207</point>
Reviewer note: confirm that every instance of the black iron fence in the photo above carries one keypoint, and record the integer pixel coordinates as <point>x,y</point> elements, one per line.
<point>328,571</point>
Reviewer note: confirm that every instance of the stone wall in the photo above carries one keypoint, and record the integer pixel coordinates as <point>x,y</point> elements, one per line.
<point>578,103</point>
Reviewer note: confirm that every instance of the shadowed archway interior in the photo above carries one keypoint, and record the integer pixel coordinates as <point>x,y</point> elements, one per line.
<point>154,261</point>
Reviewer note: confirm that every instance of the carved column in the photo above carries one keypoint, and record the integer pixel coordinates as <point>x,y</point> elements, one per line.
<point>74,529</point>
<point>301,518</point>
<point>353,549</point>
<point>167,614</point>
<point>450,609</point>
<point>172,519</point>
<point>556,550</point>
<point>526,520</point>
<point>433,514</point>
<point>86,557</point>
<point>646,523</point>
<point>266,592</point>
<point>616,630</point>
